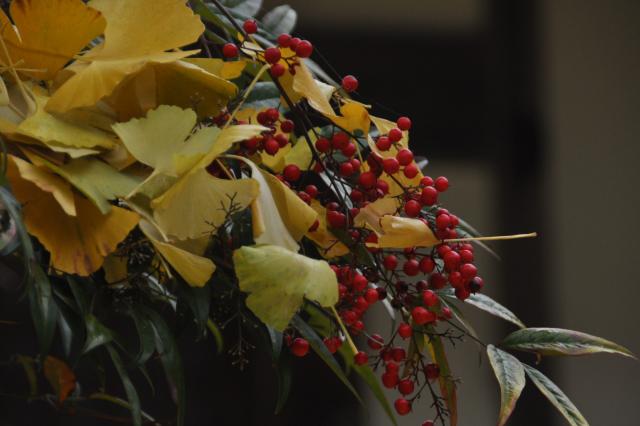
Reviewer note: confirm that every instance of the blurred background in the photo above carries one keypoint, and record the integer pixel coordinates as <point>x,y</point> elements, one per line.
<point>532,110</point>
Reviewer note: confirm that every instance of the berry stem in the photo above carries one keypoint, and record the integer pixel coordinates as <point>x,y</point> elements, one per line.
<point>494,238</point>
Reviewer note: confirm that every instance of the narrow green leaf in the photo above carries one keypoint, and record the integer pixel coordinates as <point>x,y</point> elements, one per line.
<point>171,360</point>
<point>97,333</point>
<point>100,396</point>
<point>320,348</point>
<point>129,388</point>
<point>487,304</point>
<point>447,385</point>
<point>510,375</point>
<point>459,316</point>
<point>558,341</point>
<point>556,396</point>
<point>243,8</point>
<point>198,299</point>
<point>275,337</point>
<point>146,337</point>
<point>217,335</point>
<point>44,310</point>
<point>281,19</point>
<point>284,384</point>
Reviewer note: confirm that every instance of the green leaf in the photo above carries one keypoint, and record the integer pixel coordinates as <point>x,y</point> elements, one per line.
<point>279,20</point>
<point>97,333</point>
<point>100,396</point>
<point>510,375</point>
<point>265,94</point>
<point>198,299</point>
<point>44,310</point>
<point>458,315</point>
<point>244,8</point>
<point>487,304</point>
<point>320,348</point>
<point>171,360</point>
<point>447,385</point>
<point>557,341</point>
<point>275,337</point>
<point>129,388</point>
<point>146,337</point>
<point>217,335</point>
<point>284,384</point>
<point>556,396</point>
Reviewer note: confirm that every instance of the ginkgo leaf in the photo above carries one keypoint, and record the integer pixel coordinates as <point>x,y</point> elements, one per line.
<point>300,154</point>
<point>371,214</point>
<point>48,33</point>
<point>354,117</point>
<point>195,270</point>
<point>225,69</point>
<point>137,32</point>
<point>403,232</point>
<point>278,281</point>
<point>78,245</point>
<point>328,245</point>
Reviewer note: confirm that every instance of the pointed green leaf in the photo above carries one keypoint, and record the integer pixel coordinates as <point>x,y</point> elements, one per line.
<point>129,388</point>
<point>447,384</point>
<point>556,396</point>
<point>487,304</point>
<point>510,375</point>
<point>146,337</point>
<point>279,20</point>
<point>558,341</point>
<point>97,333</point>
<point>44,310</point>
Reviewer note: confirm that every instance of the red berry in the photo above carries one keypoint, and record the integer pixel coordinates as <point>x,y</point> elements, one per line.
<point>346,169</point>
<point>336,219</point>
<point>284,40</point>
<point>437,281</point>
<point>426,181</point>
<point>462,293</point>
<point>432,371</point>
<point>441,184</point>
<point>412,208</point>
<point>455,278</point>
<point>331,344</point>
<point>429,196</point>
<point>355,163</point>
<point>350,83</point>
<point>451,260</point>
<point>375,341</point>
<point>406,386</point>
<point>300,347</point>
<point>292,173</point>
<point>390,380</point>
<point>230,50</point>
<point>428,423</point>
<point>277,70</point>
<point>411,267</point>
<point>287,126</point>
<point>271,146</point>
<point>422,316</point>
<point>404,157</point>
<point>371,295</point>
<point>443,221</point>
<point>390,367</point>
<point>468,270</point>
<point>395,135</point>
<point>339,140</point>
<point>250,26</point>
<point>429,298</point>
<point>304,49</point>
<point>359,282</point>
<point>312,190</point>
<point>304,197</point>
<point>367,180</point>
<point>360,358</point>
<point>333,206</point>
<point>404,123</point>
<point>272,55</point>
<point>411,171</point>
<point>466,256</point>
<point>349,149</point>
<point>282,139</point>
<point>398,354</point>
<point>427,265</point>
<point>476,284</point>
<point>382,186</point>
<point>390,262</point>
<point>323,145</point>
<point>383,143</point>
<point>402,406</point>
<point>293,43</point>
<point>404,330</point>
<point>390,165</point>
<point>356,196</point>
<point>446,313</point>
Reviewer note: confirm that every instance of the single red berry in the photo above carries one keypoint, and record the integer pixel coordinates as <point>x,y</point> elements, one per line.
<point>446,313</point>
<point>406,386</point>
<point>476,284</point>
<point>466,256</point>
<point>395,135</point>
<point>390,366</point>
<point>398,354</point>
<point>422,285</point>
<point>277,70</point>
<point>284,40</point>
<point>230,50</point>
<point>427,265</point>
<point>442,249</point>
<point>411,171</point>
<point>323,145</point>
<point>451,260</point>
<point>426,181</point>
<point>422,316</point>
<point>402,406</point>
<point>429,196</point>
<point>331,345</point>
<point>359,282</point>
<point>300,347</point>
<point>404,157</point>
<point>336,219</point>
<point>441,184</point>
<point>429,298</point>
<point>375,341</point>
<point>382,293</point>
<point>390,262</point>
<point>371,295</point>
<point>412,208</point>
<point>282,139</point>
<point>382,186</point>
<point>312,190</point>
<point>383,143</point>
<point>443,221</point>
<point>349,149</point>
<point>292,173</point>
<point>356,196</point>
<point>287,126</point>
<point>349,317</point>
<point>271,146</point>
<point>468,270</point>
<point>304,197</point>
<point>293,43</point>
<point>250,26</point>
<point>404,123</point>
<point>390,165</point>
<point>390,380</point>
<point>411,267</point>
<point>304,49</point>
<point>367,180</point>
<point>360,358</point>
<point>462,293</point>
<point>432,371</point>
<point>455,278</point>
<point>333,205</point>
<point>404,330</point>
<point>272,55</point>
<point>350,83</point>
<point>437,281</point>
<point>339,140</point>
<point>356,164</point>
<point>428,423</point>
<point>346,169</point>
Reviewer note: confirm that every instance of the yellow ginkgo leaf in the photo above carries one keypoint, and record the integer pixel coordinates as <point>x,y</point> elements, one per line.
<point>306,86</point>
<point>300,153</point>
<point>78,245</point>
<point>48,33</point>
<point>278,281</point>
<point>328,245</point>
<point>355,117</point>
<point>195,270</point>
<point>369,216</point>
<point>225,69</point>
<point>137,32</point>
<point>403,232</point>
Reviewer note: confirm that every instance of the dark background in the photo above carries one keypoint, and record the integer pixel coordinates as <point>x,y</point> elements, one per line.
<point>531,109</point>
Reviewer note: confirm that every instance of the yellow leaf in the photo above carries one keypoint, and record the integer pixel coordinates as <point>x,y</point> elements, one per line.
<point>371,214</point>
<point>137,32</point>
<point>115,268</point>
<point>354,117</point>
<point>225,69</point>
<point>278,280</point>
<point>78,245</point>
<point>300,154</point>
<point>60,377</point>
<point>328,245</point>
<point>48,33</point>
<point>306,86</point>
<point>195,270</point>
<point>402,232</point>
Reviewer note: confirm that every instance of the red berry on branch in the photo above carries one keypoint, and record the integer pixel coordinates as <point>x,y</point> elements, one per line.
<point>284,40</point>
<point>466,256</point>
<point>350,83</point>
<point>422,316</point>
<point>443,221</point>
<point>331,345</point>
<point>360,358</point>
<point>411,171</point>
<point>356,195</point>
<point>441,184</point>
<point>323,145</point>
<point>271,146</point>
<point>468,270</point>
<point>383,143</point>
<point>390,262</point>
<point>312,190</point>
<point>359,282</point>
<point>287,126</point>
<point>432,371</point>
<point>336,219</point>
<point>292,173</point>
<point>293,43</point>
<point>462,293</point>
<point>398,354</point>
<point>406,386</point>
<point>390,367</point>
<point>428,423</point>
<point>451,260</point>
<point>349,149</point>
<point>382,186</point>
<point>404,123</point>
<point>346,169</point>
<point>371,295</point>
<point>446,313</point>
<point>402,406</point>
<point>437,281</point>
<point>282,139</point>
<point>426,181</point>
<point>300,347</point>
<point>304,49</point>
<point>411,267</point>
<point>404,157</point>
<point>277,70</point>
<point>367,180</point>
<point>390,165</point>
<point>230,50</point>
<point>339,140</point>
<point>455,278</point>
<point>429,298</point>
<point>375,341</point>
<point>412,208</point>
<point>404,330</point>
<point>427,265</point>
<point>250,26</point>
<point>476,284</point>
<point>304,197</point>
<point>390,380</point>
<point>333,206</point>
<point>355,163</point>
<point>272,55</point>
<point>429,196</point>
<point>395,135</point>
